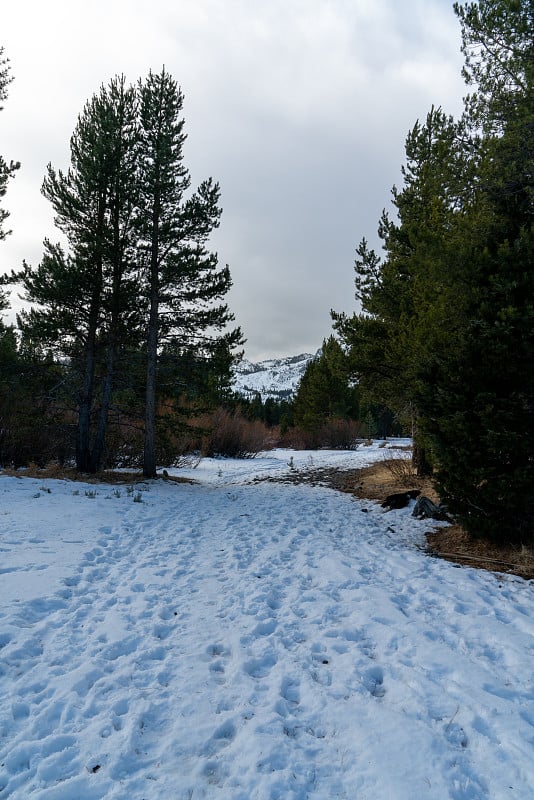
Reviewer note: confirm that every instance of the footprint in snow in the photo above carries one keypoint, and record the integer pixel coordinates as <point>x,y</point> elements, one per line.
<point>260,667</point>
<point>125,647</point>
<point>373,680</point>
<point>290,691</point>
<point>167,613</point>
<point>161,631</point>
<point>222,737</point>
<point>218,653</point>
<point>264,628</point>
<point>20,710</point>
<point>118,711</point>
<point>217,670</point>
<point>121,707</point>
<point>214,650</point>
<point>456,735</point>
<point>72,581</point>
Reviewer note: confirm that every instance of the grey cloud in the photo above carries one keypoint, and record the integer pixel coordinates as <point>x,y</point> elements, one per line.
<point>298,107</point>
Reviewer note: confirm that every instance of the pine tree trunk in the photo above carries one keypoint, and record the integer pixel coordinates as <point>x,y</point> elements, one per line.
<point>95,459</point>
<point>420,463</point>
<point>149,455</point>
<point>84,413</point>
<point>83,449</point>
<point>83,444</point>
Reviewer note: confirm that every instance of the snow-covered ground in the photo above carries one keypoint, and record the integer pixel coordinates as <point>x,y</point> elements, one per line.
<point>252,641</point>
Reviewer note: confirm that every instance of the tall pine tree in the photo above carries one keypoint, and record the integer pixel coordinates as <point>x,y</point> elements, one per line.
<point>182,279</point>
<point>137,280</point>
<point>480,416</point>
<point>402,293</point>
<point>87,300</point>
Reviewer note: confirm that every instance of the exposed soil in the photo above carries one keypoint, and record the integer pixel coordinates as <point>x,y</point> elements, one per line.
<point>454,544</point>
<point>56,472</point>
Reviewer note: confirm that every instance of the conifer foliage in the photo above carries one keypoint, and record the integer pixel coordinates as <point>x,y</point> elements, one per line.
<point>85,305</point>
<point>324,392</point>
<point>137,276</point>
<point>447,327</point>
<point>326,407</point>
<point>180,276</point>
<point>6,169</point>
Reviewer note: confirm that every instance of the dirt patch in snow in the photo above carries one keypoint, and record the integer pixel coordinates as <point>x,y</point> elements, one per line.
<point>56,472</point>
<point>387,477</point>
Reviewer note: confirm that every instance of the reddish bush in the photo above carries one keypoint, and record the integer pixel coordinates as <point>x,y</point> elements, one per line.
<point>334,434</point>
<point>234,436</point>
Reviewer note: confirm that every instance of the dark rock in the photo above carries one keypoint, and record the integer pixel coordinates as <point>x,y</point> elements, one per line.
<point>426,509</point>
<point>400,499</point>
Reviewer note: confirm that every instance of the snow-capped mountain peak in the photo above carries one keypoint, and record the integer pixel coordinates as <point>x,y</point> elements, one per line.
<point>275,377</point>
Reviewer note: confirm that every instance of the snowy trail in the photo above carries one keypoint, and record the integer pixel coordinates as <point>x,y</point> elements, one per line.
<point>254,642</point>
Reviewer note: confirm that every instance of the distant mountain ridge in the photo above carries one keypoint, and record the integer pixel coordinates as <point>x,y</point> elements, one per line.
<point>276,377</point>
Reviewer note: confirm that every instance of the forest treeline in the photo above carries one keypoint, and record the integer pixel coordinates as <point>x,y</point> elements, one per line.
<point>125,351</point>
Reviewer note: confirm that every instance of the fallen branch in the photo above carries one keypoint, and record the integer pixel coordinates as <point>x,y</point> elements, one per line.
<point>476,558</point>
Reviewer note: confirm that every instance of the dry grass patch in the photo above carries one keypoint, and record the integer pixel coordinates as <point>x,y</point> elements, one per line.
<point>454,544</point>
<point>56,472</point>
<point>387,477</point>
<point>402,471</point>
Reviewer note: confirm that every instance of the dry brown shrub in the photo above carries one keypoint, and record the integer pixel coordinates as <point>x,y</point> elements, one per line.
<point>234,436</point>
<point>299,439</point>
<point>402,470</point>
<point>333,434</point>
<point>340,434</point>
<point>526,556</point>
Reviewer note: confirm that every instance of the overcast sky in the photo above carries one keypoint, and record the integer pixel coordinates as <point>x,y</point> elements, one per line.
<point>299,108</point>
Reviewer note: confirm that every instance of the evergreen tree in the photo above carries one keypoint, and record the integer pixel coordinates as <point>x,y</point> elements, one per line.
<point>138,282</point>
<point>6,170</point>
<point>480,417</point>
<point>256,408</point>
<point>31,424</point>
<point>403,294</point>
<point>180,274</point>
<point>87,300</point>
<point>324,392</point>
<point>447,327</point>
